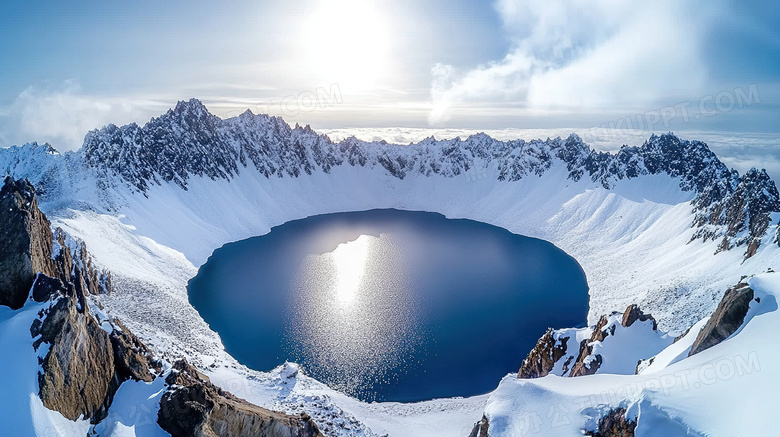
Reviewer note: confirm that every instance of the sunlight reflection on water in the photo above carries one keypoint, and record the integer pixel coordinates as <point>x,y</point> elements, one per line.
<point>355,315</point>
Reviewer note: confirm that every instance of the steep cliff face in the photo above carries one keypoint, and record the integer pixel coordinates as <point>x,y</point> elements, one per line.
<point>29,248</point>
<point>542,358</point>
<point>26,238</point>
<point>193,406</point>
<point>727,318</point>
<point>77,374</point>
<point>588,363</point>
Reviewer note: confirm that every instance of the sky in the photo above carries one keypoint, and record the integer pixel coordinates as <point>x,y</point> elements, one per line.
<point>600,67</point>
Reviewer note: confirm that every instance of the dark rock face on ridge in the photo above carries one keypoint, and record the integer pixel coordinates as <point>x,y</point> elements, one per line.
<point>28,248</point>
<point>83,365</point>
<point>614,424</point>
<point>132,358</point>
<point>542,358</point>
<point>633,313</point>
<point>727,318</point>
<point>25,242</point>
<point>87,358</point>
<point>78,377</point>
<point>193,406</point>
<point>583,365</point>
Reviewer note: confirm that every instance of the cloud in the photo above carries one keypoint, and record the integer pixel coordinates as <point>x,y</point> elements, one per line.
<point>63,115</point>
<point>578,54</point>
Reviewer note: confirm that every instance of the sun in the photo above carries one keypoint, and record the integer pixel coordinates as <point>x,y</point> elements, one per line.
<point>347,42</point>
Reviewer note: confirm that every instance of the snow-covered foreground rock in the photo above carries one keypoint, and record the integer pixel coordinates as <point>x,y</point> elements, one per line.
<point>665,226</point>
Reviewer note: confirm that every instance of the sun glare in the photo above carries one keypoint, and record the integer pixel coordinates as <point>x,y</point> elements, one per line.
<point>347,42</point>
<point>350,261</point>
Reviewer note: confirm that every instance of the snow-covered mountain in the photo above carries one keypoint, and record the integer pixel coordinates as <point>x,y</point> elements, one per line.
<point>664,225</point>
<point>189,142</point>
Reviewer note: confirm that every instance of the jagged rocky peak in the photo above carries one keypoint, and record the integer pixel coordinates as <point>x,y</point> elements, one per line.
<point>77,375</point>
<point>191,106</point>
<point>188,141</point>
<point>542,358</point>
<point>27,242</point>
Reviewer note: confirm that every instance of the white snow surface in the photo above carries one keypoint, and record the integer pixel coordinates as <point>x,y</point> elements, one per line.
<point>633,242</point>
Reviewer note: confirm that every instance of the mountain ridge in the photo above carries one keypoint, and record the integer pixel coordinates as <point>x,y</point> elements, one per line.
<point>188,141</point>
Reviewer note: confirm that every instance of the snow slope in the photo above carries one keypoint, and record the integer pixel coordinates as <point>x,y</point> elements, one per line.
<point>727,390</point>
<point>153,202</point>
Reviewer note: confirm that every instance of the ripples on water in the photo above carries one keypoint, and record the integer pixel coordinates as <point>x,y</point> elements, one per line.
<point>355,322</point>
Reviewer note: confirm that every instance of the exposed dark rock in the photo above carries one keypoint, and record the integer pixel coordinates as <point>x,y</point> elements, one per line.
<point>193,406</point>
<point>76,267</point>
<point>480,428</point>
<point>551,348</point>
<point>633,313</point>
<point>614,424</point>
<point>542,358</point>
<point>26,238</point>
<point>84,365</point>
<point>28,246</point>
<point>78,377</point>
<point>79,373</point>
<point>727,318</point>
<point>583,365</point>
<point>745,213</point>
<point>46,287</point>
<point>132,358</point>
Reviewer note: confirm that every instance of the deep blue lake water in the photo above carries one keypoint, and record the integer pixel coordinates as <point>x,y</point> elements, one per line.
<point>389,305</point>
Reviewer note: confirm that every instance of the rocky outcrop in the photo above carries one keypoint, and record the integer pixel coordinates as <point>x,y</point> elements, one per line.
<point>77,374</point>
<point>85,364</point>
<point>132,358</point>
<point>727,318</point>
<point>193,406</point>
<point>29,248</point>
<point>480,428</point>
<point>74,265</point>
<point>26,238</point>
<point>633,313</point>
<point>542,358</point>
<point>745,213</point>
<point>87,357</point>
<point>587,363</point>
<point>614,424</point>
<point>557,351</point>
